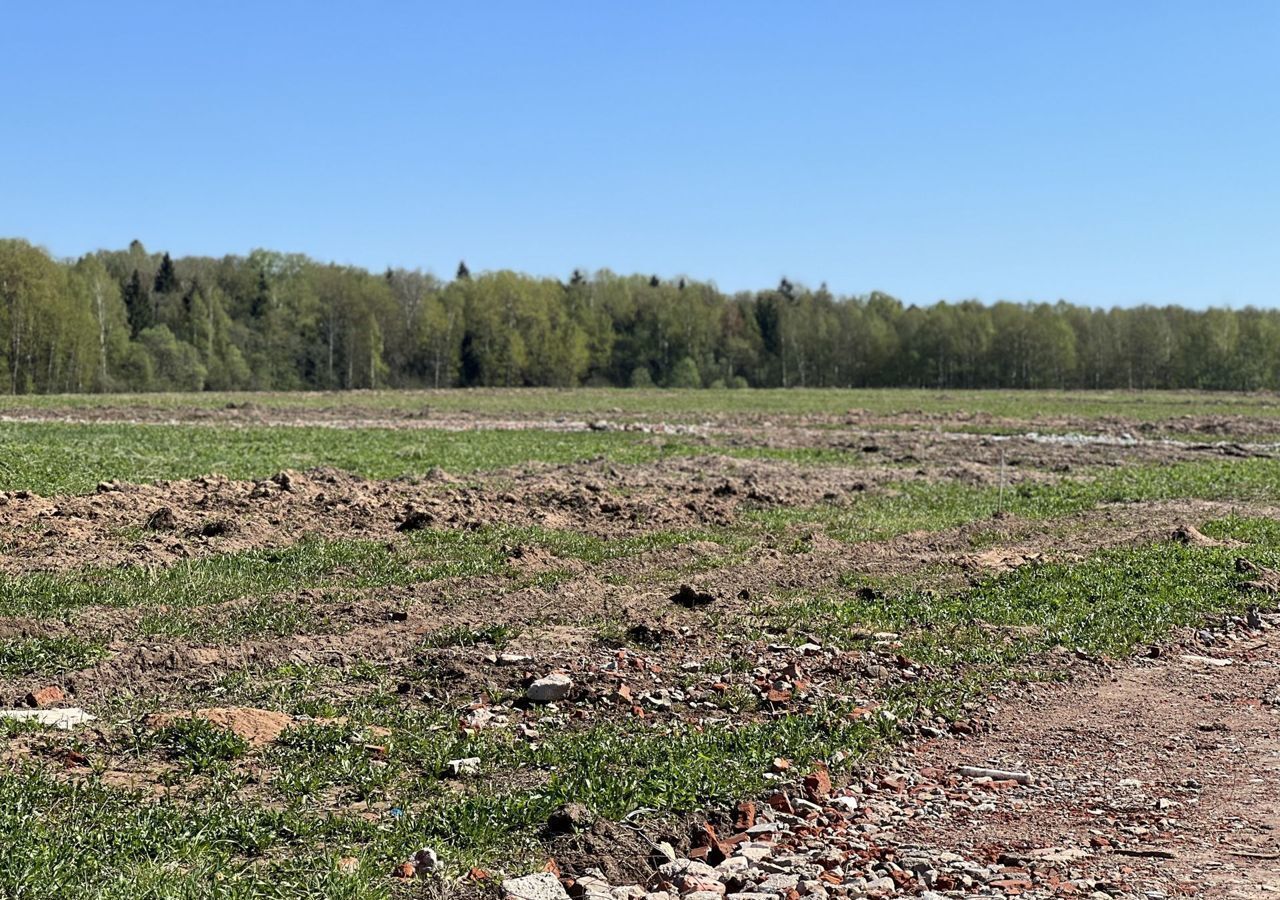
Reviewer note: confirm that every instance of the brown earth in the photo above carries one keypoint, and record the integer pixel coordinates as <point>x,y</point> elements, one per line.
<point>1173,756</point>
<point>350,414</point>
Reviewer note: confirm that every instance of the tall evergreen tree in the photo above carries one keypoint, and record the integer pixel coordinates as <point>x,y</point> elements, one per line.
<point>137,302</point>
<point>166,278</point>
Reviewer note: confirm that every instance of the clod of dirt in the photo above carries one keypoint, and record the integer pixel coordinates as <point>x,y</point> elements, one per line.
<point>690,598</point>
<point>1268,582</point>
<point>1193,537</point>
<point>162,519</point>
<point>569,819</point>
<point>258,727</point>
<point>617,852</point>
<point>217,528</point>
<point>416,520</point>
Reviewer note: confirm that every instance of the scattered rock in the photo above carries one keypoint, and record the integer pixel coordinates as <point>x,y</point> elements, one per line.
<point>994,774</point>
<point>550,689</point>
<point>425,860</point>
<point>62,719</point>
<point>1193,537</point>
<point>1205,660</point>
<point>542,886</point>
<point>569,819</point>
<point>46,696</point>
<point>464,767</point>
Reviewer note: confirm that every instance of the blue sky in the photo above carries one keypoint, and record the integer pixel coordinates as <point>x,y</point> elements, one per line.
<point>1104,153</point>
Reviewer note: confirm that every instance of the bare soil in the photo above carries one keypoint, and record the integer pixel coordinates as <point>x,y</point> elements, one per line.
<point>1170,756</point>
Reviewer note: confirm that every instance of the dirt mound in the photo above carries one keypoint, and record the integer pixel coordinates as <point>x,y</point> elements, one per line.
<point>258,727</point>
<point>1193,537</point>
<point>619,852</point>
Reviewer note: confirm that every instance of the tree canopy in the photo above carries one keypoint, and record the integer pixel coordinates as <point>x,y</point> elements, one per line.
<point>133,320</point>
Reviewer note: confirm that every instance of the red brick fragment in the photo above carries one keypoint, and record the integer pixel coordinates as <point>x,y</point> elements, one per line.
<point>46,696</point>
<point>818,783</point>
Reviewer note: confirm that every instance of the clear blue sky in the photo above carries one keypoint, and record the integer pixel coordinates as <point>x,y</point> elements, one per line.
<point>1101,152</point>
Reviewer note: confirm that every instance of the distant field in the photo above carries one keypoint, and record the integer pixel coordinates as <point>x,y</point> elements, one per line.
<point>1021,405</point>
<point>729,578</point>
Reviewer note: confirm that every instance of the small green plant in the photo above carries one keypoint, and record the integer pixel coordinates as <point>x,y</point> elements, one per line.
<point>200,745</point>
<point>48,655</point>
<point>498,636</point>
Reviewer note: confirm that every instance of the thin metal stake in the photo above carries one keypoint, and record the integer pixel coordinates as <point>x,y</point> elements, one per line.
<point>1001,502</point>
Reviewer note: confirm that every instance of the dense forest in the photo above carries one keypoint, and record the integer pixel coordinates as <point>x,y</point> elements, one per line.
<point>131,320</point>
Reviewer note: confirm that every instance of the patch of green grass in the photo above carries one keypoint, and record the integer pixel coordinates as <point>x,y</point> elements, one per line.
<point>263,617</point>
<point>422,556</point>
<point>1109,604</point>
<point>425,556</point>
<point>464,636</point>
<point>199,745</point>
<point>230,845</point>
<point>62,458</point>
<point>48,655</point>
<point>923,506</point>
<point>69,840</point>
<point>297,689</point>
<point>592,549</point>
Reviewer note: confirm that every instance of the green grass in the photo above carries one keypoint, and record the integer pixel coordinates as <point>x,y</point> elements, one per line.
<point>427,555</point>
<point>231,845</point>
<point>62,458</point>
<point>1110,604</point>
<point>262,617</point>
<point>48,655</point>
<point>51,458</point>
<point>176,591</point>
<point>923,506</point>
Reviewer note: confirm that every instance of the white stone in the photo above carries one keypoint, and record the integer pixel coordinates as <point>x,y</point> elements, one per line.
<point>468,766</point>
<point>541,886</point>
<point>550,689</point>
<point>62,719</point>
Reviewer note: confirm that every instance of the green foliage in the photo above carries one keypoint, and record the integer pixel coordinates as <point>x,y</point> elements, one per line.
<point>199,745</point>
<point>52,457</point>
<point>1112,603</point>
<point>281,321</point>
<point>685,375</point>
<point>48,655</point>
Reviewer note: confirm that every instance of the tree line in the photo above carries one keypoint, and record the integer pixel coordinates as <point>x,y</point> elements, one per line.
<point>132,320</point>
